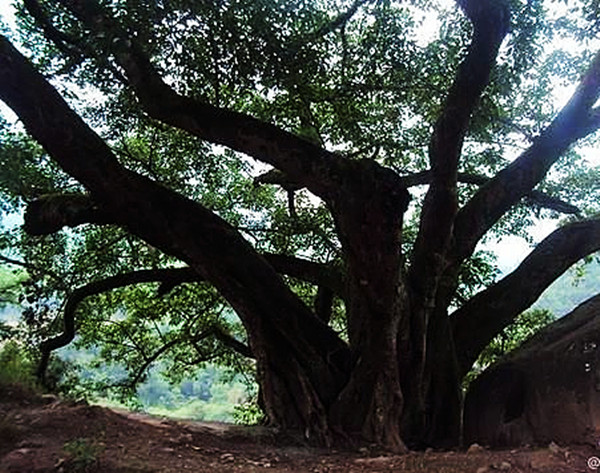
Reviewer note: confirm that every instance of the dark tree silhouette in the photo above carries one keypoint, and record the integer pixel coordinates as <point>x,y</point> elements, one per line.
<point>396,377</point>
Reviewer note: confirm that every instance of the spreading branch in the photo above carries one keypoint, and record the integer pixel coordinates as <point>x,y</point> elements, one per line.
<point>302,160</point>
<point>489,312</point>
<point>171,277</point>
<point>576,120</point>
<point>168,221</point>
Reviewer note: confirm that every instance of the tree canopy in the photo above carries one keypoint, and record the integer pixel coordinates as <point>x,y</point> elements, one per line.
<point>297,187</point>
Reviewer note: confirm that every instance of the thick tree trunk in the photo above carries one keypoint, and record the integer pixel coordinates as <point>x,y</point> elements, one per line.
<point>433,397</point>
<point>368,214</point>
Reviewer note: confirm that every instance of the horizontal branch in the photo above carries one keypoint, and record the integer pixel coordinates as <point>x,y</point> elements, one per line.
<point>484,316</point>
<point>534,197</point>
<point>50,213</point>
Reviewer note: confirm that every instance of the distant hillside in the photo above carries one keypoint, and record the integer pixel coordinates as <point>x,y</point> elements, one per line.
<point>569,290</point>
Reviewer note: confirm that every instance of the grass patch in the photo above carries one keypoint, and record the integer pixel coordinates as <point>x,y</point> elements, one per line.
<point>82,455</point>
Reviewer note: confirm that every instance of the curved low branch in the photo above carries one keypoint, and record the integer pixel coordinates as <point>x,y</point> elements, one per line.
<point>534,197</point>
<point>168,278</point>
<point>484,316</point>
<point>95,288</point>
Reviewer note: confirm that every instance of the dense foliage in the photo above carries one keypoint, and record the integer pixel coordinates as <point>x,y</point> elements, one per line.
<point>381,84</point>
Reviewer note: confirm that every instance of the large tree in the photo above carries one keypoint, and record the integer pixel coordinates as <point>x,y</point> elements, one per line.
<point>361,329</point>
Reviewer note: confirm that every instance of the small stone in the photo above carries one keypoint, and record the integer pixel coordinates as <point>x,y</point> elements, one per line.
<point>554,448</point>
<point>475,448</point>
<point>483,469</point>
<point>227,458</point>
<point>504,466</point>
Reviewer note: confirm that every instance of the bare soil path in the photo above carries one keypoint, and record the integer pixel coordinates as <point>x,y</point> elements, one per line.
<point>47,435</point>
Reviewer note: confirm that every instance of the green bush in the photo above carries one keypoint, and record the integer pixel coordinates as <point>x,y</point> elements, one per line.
<point>16,367</point>
<point>248,413</point>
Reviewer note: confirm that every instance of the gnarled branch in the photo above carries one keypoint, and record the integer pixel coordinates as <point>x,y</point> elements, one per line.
<point>173,223</point>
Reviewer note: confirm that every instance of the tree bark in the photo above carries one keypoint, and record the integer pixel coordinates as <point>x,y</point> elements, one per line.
<point>426,336</point>
<point>367,211</point>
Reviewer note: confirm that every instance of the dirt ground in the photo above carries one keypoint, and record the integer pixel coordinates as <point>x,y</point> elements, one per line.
<point>48,435</point>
